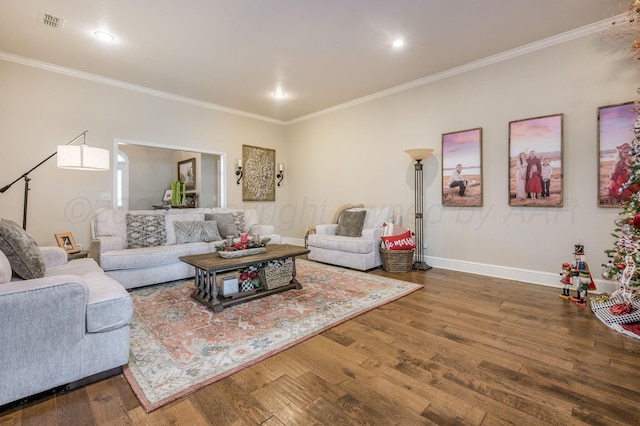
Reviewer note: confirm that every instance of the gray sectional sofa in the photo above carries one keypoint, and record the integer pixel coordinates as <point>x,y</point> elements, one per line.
<point>166,235</point>
<point>62,322</point>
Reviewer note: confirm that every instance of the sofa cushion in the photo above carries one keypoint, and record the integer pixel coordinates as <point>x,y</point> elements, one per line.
<point>21,251</point>
<point>109,305</point>
<point>149,256</point>
<point>350,223</point>
<point>226,223</point>
<point>342,244</point>
<point>195,231</point>
<point>145,231</point>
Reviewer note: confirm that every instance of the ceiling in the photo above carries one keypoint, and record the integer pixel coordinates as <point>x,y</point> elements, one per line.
<point>233,54</point>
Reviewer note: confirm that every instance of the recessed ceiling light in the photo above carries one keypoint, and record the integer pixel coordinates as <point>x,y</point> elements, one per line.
<point>398,43</point>
<point>104,36</point>
<point>279,94</point>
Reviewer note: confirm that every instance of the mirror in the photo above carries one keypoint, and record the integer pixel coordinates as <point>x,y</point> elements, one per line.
<point>144,172</point>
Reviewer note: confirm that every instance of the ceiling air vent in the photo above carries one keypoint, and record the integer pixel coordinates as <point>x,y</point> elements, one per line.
<point>50,20</point>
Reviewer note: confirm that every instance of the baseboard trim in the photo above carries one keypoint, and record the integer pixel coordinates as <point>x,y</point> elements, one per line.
<point>529,276</point>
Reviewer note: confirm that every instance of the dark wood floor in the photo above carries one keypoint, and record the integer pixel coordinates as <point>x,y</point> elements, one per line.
<point>466,349</point>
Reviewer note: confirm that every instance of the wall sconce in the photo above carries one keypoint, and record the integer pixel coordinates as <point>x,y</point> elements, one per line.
<point>238,170</point>
<point>280,174</point>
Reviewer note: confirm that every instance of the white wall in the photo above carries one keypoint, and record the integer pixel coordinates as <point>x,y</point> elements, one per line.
<point>357,155</point>
<point>354,155</point>
<point>41,109</point>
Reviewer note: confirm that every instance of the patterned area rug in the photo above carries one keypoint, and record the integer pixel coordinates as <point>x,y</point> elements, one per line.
<point>179,346</point>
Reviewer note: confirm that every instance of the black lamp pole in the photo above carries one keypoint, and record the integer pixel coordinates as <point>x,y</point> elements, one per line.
<point>418,262</point>
<point>26,178</point>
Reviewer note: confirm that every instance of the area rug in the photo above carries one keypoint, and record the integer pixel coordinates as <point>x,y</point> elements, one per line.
<point>178,345</point>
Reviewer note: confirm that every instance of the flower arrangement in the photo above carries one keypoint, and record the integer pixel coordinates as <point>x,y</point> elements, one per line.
<point>238,245</point>
<point>249,278</point>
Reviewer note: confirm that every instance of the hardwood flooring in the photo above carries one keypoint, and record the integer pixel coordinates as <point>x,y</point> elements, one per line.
<point>464,350</point>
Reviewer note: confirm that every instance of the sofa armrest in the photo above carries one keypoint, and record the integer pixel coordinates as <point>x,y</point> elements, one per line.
<point>43,323</point>
<point>53,256</point>
<point>100,245</point>
<point>372,234</point>
<point>329,229</point>
<point>262,230</point>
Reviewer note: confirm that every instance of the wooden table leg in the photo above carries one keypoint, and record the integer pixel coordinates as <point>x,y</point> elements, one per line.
<point>293,273</point>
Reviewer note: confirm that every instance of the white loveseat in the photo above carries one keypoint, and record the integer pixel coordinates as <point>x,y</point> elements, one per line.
<point>361,252</point>
<point>141,266</point>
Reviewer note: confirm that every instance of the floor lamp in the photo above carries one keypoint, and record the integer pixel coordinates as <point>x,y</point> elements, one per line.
<point>418,155</point>
<point>82,157</point>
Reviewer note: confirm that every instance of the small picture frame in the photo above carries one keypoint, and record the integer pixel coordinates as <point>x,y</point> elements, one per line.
<point>66,241</point>
<point>187,173</point>
<point>462,168</point>
<point>167,195</point>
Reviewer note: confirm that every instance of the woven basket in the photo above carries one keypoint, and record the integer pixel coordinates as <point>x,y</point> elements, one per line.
<point>274,276</point>
<point>397,260</point>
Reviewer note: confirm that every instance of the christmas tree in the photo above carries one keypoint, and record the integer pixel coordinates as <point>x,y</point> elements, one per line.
<point>624,258</point>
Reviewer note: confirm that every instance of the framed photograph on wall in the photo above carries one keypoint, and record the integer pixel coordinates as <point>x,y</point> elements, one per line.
<point>66,241</point>
<point>615,136</point>
<point>535,161</point>
<point>259,173</point>
<point>462,168</point>
<point>187,173</point>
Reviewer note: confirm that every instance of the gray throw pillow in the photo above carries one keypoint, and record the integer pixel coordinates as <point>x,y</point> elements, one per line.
<point>21,250</point>
<point>226,223</point>
<point>145,230</point>
<point>238,217</point>
<point>196,231</point>
<point>350,223</point>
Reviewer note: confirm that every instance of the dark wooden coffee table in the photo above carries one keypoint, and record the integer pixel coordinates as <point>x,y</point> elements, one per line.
<point>208,265</point>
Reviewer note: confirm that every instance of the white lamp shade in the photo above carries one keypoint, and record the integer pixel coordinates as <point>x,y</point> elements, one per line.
<point>82,157</point>
<point>419,154</point>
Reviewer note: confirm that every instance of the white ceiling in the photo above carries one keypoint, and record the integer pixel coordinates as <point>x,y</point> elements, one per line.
<point>235,53</point>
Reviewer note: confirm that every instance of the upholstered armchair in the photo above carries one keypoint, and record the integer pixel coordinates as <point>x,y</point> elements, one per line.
<point>353,242</point>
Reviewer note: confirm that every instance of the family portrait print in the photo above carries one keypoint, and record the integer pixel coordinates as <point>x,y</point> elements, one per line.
<point>462,168</point>
<point>615,135</point>
<point>535,161</point>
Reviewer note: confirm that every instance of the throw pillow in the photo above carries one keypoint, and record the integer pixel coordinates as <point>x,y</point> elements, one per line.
<point>350,223</point>
<point>399,242</point>
<point>21,250</point>
<point>341,209</point>
<point>196,231</point>
<point>238,217</point>
<point>145,230</point>
<point>226,224</point>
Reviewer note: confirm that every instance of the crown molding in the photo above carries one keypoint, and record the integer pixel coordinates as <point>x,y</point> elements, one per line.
<point>70,72</point>
<point>489,60</point>
<point>500,57</point>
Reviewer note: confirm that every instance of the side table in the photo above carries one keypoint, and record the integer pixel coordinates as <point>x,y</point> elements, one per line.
<point>78,255</point>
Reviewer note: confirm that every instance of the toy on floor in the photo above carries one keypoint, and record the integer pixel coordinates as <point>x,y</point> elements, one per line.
<point>577,273</point>
<point>565,280</point>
